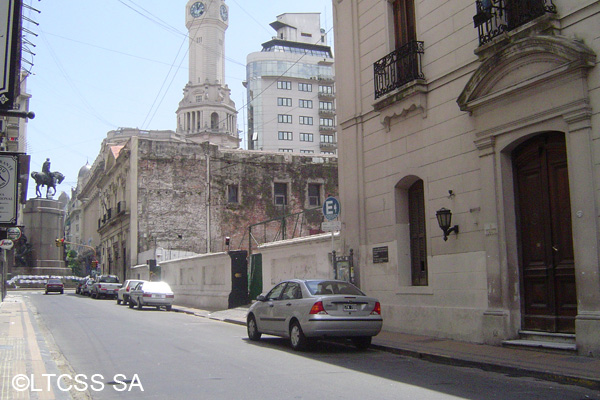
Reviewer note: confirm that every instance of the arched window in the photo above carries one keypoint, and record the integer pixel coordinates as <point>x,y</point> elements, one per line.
<point>214,121</point>
<point>411,231</point>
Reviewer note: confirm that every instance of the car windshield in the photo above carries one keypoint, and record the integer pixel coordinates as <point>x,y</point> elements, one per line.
<point>332,287</point>
<point>160,287</point>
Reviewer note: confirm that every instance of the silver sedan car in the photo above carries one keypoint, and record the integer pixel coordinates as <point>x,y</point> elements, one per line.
<point>304,310</point>
<point>154,294</point>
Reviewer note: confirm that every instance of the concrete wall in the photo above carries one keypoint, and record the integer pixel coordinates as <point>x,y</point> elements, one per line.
<point>202,281</point>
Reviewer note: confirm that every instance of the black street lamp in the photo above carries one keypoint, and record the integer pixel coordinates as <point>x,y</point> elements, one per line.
<point>444,218</point>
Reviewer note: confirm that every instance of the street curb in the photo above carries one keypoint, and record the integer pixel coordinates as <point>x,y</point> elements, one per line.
<point>588,383</point>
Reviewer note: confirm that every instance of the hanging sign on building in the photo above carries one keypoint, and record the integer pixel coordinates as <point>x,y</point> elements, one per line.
<point>10,52</point>
<point>9,177</point>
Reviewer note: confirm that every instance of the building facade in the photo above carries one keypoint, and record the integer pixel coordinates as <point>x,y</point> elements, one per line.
<point>291,89</point>
<point>207,112</point>
<point>157,198</point>
<point>488,109</point>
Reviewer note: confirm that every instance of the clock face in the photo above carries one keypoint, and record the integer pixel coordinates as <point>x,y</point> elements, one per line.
<point>224,13</point>
<point>197,9</point>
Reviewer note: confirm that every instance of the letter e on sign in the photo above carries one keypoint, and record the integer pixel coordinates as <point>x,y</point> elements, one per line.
<point>331,208</point>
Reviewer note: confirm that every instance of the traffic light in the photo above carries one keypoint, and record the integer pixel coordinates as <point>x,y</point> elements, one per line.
<point>59,242</point>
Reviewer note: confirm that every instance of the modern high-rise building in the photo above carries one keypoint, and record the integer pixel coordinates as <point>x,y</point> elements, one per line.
<point>207,112</point>
<point>291,89</point>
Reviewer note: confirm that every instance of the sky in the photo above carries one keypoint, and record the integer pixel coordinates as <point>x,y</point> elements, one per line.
<point>101,65</point>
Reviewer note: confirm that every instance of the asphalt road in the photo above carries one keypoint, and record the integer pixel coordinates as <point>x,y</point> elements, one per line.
<point>150,354</point>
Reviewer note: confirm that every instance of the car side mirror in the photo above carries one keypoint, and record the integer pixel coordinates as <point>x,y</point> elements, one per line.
<point>261,298</point>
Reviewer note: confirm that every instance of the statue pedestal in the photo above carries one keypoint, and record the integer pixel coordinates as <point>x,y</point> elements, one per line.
<point>44,223</point>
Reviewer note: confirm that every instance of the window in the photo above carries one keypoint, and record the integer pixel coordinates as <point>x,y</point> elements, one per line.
<point>325,105</point>
<point>327,139</point>
<point>286,85</point>
<point>284,119</point>
<point>418,243</point>
<point>282,135</point>
<point>305,103</point>
<point>214,121</point>
<point>286,150</point>
<point>306,137</point>
<point>305,87</point>
<point>292,292</point>
<point>280,190</point>
<point>198,99</point>
<point>326,89</point>
<point>284,101</point>
<point>232,194</point>
<point>306,120</point>
<point>326,121</point>
<point>314,194</point>
<point>404,22</point>
<point>306,151</point>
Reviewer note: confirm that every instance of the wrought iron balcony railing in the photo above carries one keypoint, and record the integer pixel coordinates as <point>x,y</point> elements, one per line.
<point>495,17</point>
<point>398,68</point>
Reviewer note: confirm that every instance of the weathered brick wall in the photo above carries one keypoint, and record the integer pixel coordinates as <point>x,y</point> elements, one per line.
<point>172,189</point>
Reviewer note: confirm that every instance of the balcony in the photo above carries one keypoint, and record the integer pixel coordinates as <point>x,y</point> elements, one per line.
<point>327,129</point>
<point>398,68</point>
<point>326,95</point>
<point>328,146</point>
<point>494,17</point>
<point>323,112</point>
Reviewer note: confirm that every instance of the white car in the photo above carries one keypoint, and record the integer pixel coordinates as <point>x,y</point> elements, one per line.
<point>123,292</point>
<point>305,310</point>
<point>154,294</point>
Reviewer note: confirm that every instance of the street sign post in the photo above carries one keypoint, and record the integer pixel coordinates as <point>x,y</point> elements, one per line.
<point>331,211</point>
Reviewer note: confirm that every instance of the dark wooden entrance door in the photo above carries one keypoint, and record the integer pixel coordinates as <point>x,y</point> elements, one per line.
<point>548,295</point>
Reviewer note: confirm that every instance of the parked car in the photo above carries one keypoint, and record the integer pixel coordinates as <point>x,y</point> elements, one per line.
<point>79,286</point>
<point>157,294</point>
<point>123,292</point>
<point>54,285</point>
<point>105,286</point>
<point>87,287</point>
<point>307,310</point>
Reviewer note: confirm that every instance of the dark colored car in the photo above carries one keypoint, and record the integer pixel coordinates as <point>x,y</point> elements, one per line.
<point>55,285</point>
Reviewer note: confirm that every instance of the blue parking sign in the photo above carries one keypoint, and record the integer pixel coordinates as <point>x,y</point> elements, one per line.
<point>331,208</point>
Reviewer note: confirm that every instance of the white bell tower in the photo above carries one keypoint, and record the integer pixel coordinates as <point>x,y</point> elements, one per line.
<point>207,112</point>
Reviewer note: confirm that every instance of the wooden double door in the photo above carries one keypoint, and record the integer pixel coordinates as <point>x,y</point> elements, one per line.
<point>548,291</point>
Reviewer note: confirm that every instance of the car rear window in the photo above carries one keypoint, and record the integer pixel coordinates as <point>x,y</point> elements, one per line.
<point>54,281</point>
<point>109,279</point>
<point>156,286</point>
<point>333,287</point>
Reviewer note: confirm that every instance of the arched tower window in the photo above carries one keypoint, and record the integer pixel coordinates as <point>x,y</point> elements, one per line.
<point>214,121</point>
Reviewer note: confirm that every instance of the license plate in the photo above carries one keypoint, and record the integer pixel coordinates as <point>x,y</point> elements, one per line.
<point>158,296</point>
<point>349,307</point>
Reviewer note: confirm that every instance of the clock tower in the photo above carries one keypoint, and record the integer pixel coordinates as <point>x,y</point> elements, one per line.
<point>207,112</point>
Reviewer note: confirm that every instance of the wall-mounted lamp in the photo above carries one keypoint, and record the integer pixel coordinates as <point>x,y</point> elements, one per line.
<point>444,218</point>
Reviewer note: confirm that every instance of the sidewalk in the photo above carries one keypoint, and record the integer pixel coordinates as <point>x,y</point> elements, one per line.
<point>562,368</point>
<point>26,360</point>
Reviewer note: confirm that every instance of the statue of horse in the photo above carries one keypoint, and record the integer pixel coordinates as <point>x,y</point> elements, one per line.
<point>48,180</point>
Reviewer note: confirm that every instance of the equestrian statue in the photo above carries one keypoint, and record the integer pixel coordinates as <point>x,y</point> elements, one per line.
<point>48,179</point>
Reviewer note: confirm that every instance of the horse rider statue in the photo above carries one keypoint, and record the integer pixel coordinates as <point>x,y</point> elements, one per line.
<point>48,179</point>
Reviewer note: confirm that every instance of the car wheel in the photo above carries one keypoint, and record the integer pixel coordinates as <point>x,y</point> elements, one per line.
<point>253,333</point>
<point>94,296</point>
<point>362,342</point>
<point>46,292</point>
<point>139,305</point>
<point>130,304</point>
<point>168,308</point>
<point>118,301</point>
<point>62,292</point>
<point>297,338</point>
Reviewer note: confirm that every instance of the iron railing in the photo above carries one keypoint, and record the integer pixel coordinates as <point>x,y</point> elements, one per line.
<point>494,17</point>
<point>398,68</point>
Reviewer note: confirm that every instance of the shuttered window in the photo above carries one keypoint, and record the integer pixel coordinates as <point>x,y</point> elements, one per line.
<point>418,238</point>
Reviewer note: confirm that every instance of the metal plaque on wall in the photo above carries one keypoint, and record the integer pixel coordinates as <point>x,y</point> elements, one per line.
<point>10,52</point>
<point>9,196</point>
<point>380,255</point>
